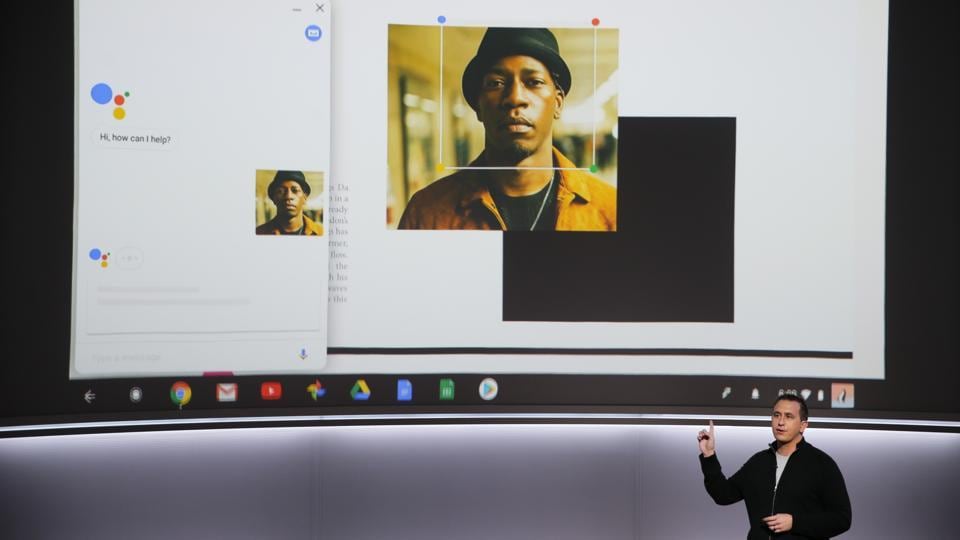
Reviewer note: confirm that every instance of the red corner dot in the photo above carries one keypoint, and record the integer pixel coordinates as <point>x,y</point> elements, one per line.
<point>104,257</point>
<point>596,22</point>
<point>118,99</point>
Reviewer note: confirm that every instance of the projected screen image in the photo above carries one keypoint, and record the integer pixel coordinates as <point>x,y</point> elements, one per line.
<point>200,193</point>
<point>749,193</point>
<point>736,226</point>
<point>365,203</point>
<point>523,152</point>
<point>734,242</point>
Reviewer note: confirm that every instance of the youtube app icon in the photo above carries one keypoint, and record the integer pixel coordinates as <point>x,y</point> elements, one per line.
<point>271,390</point>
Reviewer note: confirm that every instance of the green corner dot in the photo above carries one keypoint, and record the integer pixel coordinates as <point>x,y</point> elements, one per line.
<point>126,94</point>
<point>594,168</point>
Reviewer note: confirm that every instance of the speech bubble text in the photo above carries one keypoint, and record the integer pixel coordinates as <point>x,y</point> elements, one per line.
<point>134,139</point>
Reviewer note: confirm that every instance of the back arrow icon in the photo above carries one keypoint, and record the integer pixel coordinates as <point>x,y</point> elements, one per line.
<point>89,396</point>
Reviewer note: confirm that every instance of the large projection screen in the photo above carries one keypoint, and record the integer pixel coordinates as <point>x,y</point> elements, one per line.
<point>774,223</point>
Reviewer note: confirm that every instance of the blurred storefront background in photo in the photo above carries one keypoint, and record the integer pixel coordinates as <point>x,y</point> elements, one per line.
<point>429,129</point>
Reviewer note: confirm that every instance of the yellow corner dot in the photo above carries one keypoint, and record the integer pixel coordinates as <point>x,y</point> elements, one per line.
<point>119,113</point>
<point>103,264</point>
<point>440,167</point>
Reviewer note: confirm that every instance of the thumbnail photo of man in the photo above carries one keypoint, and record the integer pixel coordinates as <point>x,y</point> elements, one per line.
<point>516,86</point>
<point>285,205</point>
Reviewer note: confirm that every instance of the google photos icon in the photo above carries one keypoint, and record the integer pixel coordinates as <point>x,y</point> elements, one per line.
<point>316,390</point>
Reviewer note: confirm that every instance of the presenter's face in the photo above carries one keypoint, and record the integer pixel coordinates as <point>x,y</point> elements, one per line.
<point>786,423</point>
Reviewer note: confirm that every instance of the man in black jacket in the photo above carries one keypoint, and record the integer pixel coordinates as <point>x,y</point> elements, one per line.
<point>792,489</point>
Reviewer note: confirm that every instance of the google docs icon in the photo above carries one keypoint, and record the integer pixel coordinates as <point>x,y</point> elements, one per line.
<point>404,390</point>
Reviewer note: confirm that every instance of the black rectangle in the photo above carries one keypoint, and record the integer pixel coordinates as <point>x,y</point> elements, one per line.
<point>671,259</point>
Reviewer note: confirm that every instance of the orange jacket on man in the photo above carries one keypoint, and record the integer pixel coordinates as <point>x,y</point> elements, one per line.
<point>310,228</point>
<point>463,201</point>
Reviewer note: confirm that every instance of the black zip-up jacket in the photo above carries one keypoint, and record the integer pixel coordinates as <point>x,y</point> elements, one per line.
<point>811,490</point>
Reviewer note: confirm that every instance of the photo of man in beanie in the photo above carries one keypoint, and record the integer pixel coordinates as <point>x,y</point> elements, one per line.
<point>516,85</point>
<point>289,192</point>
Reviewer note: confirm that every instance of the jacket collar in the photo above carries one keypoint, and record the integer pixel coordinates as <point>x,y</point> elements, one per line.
<point>573,182</point>
<point>801,444</point>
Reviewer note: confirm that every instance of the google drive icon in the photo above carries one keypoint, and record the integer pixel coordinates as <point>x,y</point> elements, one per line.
<point>360,391</point>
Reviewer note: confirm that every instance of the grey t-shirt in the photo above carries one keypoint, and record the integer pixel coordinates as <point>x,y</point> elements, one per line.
<point>781,463</point>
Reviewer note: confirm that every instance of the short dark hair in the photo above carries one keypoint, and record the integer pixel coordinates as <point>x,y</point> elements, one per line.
<point>790,396</point>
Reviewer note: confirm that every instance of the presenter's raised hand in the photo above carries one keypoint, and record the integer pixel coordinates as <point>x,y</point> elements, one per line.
<point>708,441</point>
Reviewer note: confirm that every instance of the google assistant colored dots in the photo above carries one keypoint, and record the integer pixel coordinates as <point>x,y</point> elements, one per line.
<point>594,168</point>
<point>595,22</point>
<point>99,256</point>
<point>441,19</point>
<point>101,93</point>
<point>440,167</point>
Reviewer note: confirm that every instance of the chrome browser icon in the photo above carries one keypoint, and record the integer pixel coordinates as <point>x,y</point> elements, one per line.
<point>180,393</point>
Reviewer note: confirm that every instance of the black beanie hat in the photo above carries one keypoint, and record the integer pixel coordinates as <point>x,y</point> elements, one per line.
<point>497,43</point>
<point>283,176</point>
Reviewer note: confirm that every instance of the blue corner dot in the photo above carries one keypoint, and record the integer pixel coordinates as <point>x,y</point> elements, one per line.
<point>95,254</point>
<point>101,93</point>
<point>313,32</point>
<point>441,19</point>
